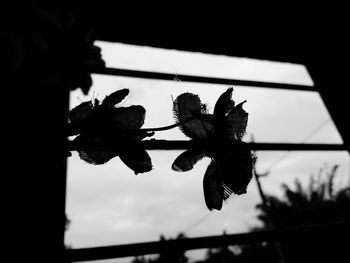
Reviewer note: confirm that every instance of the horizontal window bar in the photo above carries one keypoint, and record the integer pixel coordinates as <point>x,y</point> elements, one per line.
<point>182,145</point>
<point>325,232</point>
<point>296,147</point>
<point>153,144</point>
<point>199,79</point>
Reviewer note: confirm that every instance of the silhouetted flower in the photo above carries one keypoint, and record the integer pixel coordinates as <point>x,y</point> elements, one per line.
<point>217,136</point>
<point>110,131</point>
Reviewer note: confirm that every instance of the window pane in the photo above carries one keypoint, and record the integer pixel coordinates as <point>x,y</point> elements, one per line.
<point>119,55</point>
<point>109,205</point>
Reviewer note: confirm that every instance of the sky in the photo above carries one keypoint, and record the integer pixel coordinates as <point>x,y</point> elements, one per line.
<point>109,205</point>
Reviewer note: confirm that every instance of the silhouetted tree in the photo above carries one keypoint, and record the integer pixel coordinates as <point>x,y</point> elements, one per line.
<point>262,253</point>
<point>317,203</point>
<point>220,255</point>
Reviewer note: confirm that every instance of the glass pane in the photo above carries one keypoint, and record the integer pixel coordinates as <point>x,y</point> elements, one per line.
<point>119,55</point>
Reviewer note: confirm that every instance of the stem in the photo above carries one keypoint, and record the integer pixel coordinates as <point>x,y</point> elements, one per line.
<point>151,144</point>
<point>164,128</point>
<point>75,131</point>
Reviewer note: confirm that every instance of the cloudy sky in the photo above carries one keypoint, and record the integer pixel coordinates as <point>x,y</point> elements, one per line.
<point>109,205</point>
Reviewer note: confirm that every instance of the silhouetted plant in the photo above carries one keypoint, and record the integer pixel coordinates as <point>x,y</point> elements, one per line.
<point>219,136</point>
<point>54,44</point>
<point>317,203</point>
<point>105,131</point>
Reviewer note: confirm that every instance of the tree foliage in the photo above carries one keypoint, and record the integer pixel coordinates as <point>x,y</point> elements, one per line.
<point>320,201</point>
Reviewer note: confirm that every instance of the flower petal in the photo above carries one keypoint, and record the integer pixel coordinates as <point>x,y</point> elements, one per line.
<point>188,106</point>
<point>212,186</point>
<point>97,157</point>
<point>236,168</point>
<point>224,104</point>
<point>199,129</point>
<point>186,160</point>
<point>137,159</point>
<point>94,156</point>
<point>81,112</point>
<point>236,122</point>
<point>111,100</point>
<point>131,117</point>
